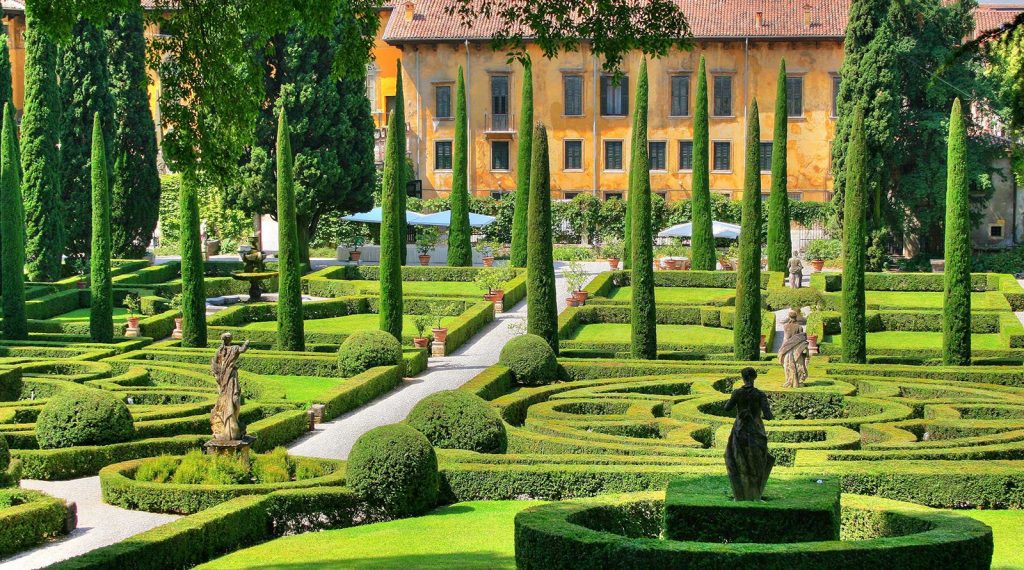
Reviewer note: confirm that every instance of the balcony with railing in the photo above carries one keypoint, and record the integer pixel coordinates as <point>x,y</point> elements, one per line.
<point>499,124</point>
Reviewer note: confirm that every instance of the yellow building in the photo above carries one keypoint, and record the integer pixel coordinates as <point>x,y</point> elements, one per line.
<point>589,117</point>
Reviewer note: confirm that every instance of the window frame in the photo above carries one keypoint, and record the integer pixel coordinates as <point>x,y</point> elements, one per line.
<point>714,96</point>
<point>672,95</point>
<point>565,95</point>
<point>437,88</point>
<point>770,146</point>
<point>837,82</point>
<point>789,96</point>
<point>622,155</point>
<point>508,155</point>
<point>681,155</point>
<point>664,156</point>
<point>451,154</point>
<point>714,156</point>
<point>565,155</point>
<point>622,88</point>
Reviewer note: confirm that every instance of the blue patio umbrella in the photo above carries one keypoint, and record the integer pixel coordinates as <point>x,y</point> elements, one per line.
<point>720,229</point>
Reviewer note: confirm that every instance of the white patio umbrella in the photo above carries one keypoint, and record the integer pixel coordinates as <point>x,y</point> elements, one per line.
<point>719,229</point>
<point>445,219</point>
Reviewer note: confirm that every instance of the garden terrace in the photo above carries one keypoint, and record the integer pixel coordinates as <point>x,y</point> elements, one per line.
<point>331,321</point>
<point>348,280</point>
<point>684,332</point>
<point>671,287</point>
<point>923,291</point>
<point>164,280</point>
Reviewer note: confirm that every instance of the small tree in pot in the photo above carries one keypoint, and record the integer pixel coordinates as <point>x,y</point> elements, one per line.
<point>820,250</point>
<point>427,238</point>
<point>613,249</point>
<point>487,248</point>
<point>133,304</point>
<point>438,313</point>
<point>352,236</point>
<point>576,278</point>
<point>422,323</point>
<point>176,306</point>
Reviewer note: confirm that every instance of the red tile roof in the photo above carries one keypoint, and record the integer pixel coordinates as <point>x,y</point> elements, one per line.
<point>992,17</point>
<point>708,19</point>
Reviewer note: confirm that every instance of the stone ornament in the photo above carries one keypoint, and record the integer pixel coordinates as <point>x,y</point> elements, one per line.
<point>796,272</point>
<point>794,352</point>
<point>224,418</point>
<point>746,455</point>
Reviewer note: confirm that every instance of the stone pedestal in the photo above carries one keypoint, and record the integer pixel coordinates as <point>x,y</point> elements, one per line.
<point>437,348</point>
<point>318,412</point>
<point>499,306</point>
<point>132,332</point>
<point>230,446</point>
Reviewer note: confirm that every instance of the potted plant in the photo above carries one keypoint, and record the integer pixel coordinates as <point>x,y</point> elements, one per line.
<point>576,278</point>
<point>352,236</point>
<point>613,250</point>
<point>81,268</point>
<point>486,248</point>
<point>133,303</point>
<point>176,305</point>
<point>422,323</point>
<point>438,313</point>
<point>491,279</point>
<point>427,239</point>
<point>729,257</point>
<point>821,249</point>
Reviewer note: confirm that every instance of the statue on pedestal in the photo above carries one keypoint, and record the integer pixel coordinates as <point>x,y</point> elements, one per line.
<point>224,418</point>
<point>746,455</point>
<point>793,353</point>
<point>796,272</point>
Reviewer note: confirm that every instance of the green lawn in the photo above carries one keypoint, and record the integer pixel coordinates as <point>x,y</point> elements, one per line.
<point>344,325</point>
<point>465,535</point>
<point>429,288</point>
<point>1008,532</point>
<point>677,334</point>
<point>678,295</point>
<point>82,315</point>
<point>304,389</point>
<point>928,340</point>
<point>988,301</point>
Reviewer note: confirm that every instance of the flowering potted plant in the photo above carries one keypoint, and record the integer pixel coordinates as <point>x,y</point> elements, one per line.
<point>613,250</point>
<point>427,239</point>
<point>176,305</point>
<point>576,278</point>
<point>422,323</point>
<point>133,304</point>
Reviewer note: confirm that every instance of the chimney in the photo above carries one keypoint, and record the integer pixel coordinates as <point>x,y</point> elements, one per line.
<point>410,10</point>
<point>759,19</point>
<point>807,15</point>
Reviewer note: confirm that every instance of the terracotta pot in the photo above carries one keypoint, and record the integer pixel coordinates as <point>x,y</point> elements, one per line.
<point>133,322</point>
<point>572,302</point>
<point>613,263</point>
<point>580,296</point>
<point>763,345</point>
<point>488,261</point>
<point>354,255</point>
<point>812,343</point>
<point>176,333</point>
<point>440,334</point>
<point>424,260</point>
<point>818,264</point>
<point>420,341</point>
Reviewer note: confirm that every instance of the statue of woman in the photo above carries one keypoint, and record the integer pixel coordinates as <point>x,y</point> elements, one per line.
<point>224,418</point>
<point>793,353</point>
<point>746,455</point>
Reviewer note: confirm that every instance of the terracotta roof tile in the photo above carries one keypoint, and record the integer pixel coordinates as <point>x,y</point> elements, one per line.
<point>708,19</point>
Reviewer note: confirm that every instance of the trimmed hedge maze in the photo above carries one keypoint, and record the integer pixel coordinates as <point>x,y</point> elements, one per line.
<point>944,437</point>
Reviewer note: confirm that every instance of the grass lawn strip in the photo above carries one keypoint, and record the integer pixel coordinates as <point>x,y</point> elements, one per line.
<point>344,325</point>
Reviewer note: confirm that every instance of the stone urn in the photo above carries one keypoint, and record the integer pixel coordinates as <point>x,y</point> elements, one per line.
<point>133,326</point>
<point>176,333</point>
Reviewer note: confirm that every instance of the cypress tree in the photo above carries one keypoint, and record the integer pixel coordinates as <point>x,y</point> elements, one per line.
<point>747,326</point>
<point>541,310</point>
<point>135,180</point>
<point>84,92</point>
<point>402,226</point>
<point>956,322</point>
<point>40,158</point>
<point>517,255</point>
<point>391,239</point>
<point>460,254</point>
<point>101,307</point>
<point>193,288</point>
<point>6,83</point>
<point>702,239</point>
<point>627,242</point>
<point>642,313</point>
<point>780,242</point>
<point>854,326</point>
<point>290,334</point>
<point>12,228</point>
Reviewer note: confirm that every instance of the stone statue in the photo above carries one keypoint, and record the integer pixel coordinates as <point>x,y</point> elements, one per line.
<point>224,418</point>
<point>793,353</point>
<point>746,455</point>
<point>252,257</point>
<point>796,272</point>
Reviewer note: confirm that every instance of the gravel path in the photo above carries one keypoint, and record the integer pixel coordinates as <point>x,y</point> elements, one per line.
<point>99,524</point>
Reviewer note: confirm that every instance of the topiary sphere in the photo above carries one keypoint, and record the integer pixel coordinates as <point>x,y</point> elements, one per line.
<point>83,417</point>
<point>531,360</point>
<point>363,350</point>
<point>394,469</point>
<point>454,419</point>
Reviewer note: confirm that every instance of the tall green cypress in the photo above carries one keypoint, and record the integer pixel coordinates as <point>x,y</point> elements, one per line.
<point>193,287</point>
<point>84,92</point>
<point>12,230</point>
<point>517,255</point>
<point>290,334</point>
<point>956,322</point>
<point>40,158</point>
<point>747,326</point>
<point>702,239</point>
<point>6,83</point>
<point>780,242</point>
<point>391,239</point>
<point>642,312</point>
<point>135,180</point>
<point>101,307</point>
<point>853,323</point>
<point>402,197</point>
<point>542,309</point>
<point>460,253</point>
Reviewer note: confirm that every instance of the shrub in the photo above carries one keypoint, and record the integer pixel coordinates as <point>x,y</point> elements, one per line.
<point>394,469</point>
<point>703,240</point>
<point>363,350</point>
<point>531,360</point>
<point>823,249</point>
<point>392,225</point>
<point>524,151</point>
<point>459,420</point>
<point>644,343</point>
<point>290,335</point>
<point>780,245</point>
<point>459,233</point>
<point>956,329</point>
<point>83,417</point>
<point>542,310</point>
<point>747,330</point>
<point>854,237</point>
